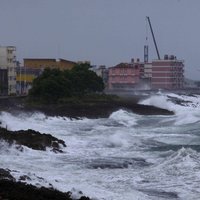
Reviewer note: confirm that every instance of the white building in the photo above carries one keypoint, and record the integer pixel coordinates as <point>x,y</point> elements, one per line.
<point>8,62</point>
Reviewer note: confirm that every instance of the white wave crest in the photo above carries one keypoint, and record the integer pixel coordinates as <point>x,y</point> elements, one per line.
<point>123,117</point>
<point>36,121</point>
<point>186,108</point>
<point>119,139</point>
<point>159,101</point>
<point>183,159</point>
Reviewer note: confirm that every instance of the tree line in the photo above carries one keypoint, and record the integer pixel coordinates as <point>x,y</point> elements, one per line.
<point>54,84</point>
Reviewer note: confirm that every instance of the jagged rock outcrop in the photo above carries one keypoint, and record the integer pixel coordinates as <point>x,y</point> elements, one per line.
<point>32,139</point>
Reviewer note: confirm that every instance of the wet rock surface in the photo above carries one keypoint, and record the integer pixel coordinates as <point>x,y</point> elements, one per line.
<point>32,139</point>
<point>12,190</point>
<point>5,175</point>
<point>91,109</point>
<point>179,101</point>
<point>97,110</point>
<point>20,191</point>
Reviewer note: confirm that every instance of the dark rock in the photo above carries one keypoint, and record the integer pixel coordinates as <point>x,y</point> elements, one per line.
<point>84,198</point>
<point>32,139</point>
<point>91,109</point>
<point>96,110</point>
<point>5,175</point>
<point>24,178</point>
<point>179,101</point>
<point>21,191</point>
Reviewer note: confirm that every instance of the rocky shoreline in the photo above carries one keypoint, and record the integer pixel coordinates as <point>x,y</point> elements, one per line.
<point>12,189</point>
<point>97,110</point>
<point>91,109</point>
<point>32,139</point>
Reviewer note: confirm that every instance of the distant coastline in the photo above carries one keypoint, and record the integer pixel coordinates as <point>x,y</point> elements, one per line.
<point>89,109</point>
<point>93,108</point>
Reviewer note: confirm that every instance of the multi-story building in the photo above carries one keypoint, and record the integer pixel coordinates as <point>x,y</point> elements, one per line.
<point>124,76</point>
<point>42,63</point>
<point>167,73</point>
<point>8,62</point>
<point>25,77</point>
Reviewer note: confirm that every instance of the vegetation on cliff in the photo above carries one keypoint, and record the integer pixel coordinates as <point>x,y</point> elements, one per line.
<point>53,84</point>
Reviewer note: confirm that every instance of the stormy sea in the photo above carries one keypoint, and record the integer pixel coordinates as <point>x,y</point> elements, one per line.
<point>123,157</point>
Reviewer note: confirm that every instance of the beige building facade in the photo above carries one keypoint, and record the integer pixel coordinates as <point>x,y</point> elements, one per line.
<point>8,62</point>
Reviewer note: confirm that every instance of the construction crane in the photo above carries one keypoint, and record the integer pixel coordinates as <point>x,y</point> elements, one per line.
<point>154,40</point>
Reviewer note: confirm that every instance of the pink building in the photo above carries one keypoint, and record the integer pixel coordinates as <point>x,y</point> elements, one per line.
<point>124,75</point>
<point>167,73</point>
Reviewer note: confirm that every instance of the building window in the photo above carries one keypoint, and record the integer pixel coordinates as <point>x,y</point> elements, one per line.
<point>9,51</point>
<point>10,60</point>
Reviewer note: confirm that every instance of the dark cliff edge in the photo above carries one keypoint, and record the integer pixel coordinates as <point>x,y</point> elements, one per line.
<point>90,109</point>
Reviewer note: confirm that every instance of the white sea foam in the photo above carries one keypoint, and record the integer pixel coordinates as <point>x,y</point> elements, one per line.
<point>188,111</point>
<point>182,161</point>
<point>157,101</point>
<point>178,172</point>
<point>119,138</point>
<point>124,118</point>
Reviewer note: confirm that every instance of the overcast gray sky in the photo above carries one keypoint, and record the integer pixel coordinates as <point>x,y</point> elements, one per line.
<point>102,31</point>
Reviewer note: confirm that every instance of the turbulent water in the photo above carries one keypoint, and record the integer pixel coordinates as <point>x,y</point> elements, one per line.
<point>123,157</point>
